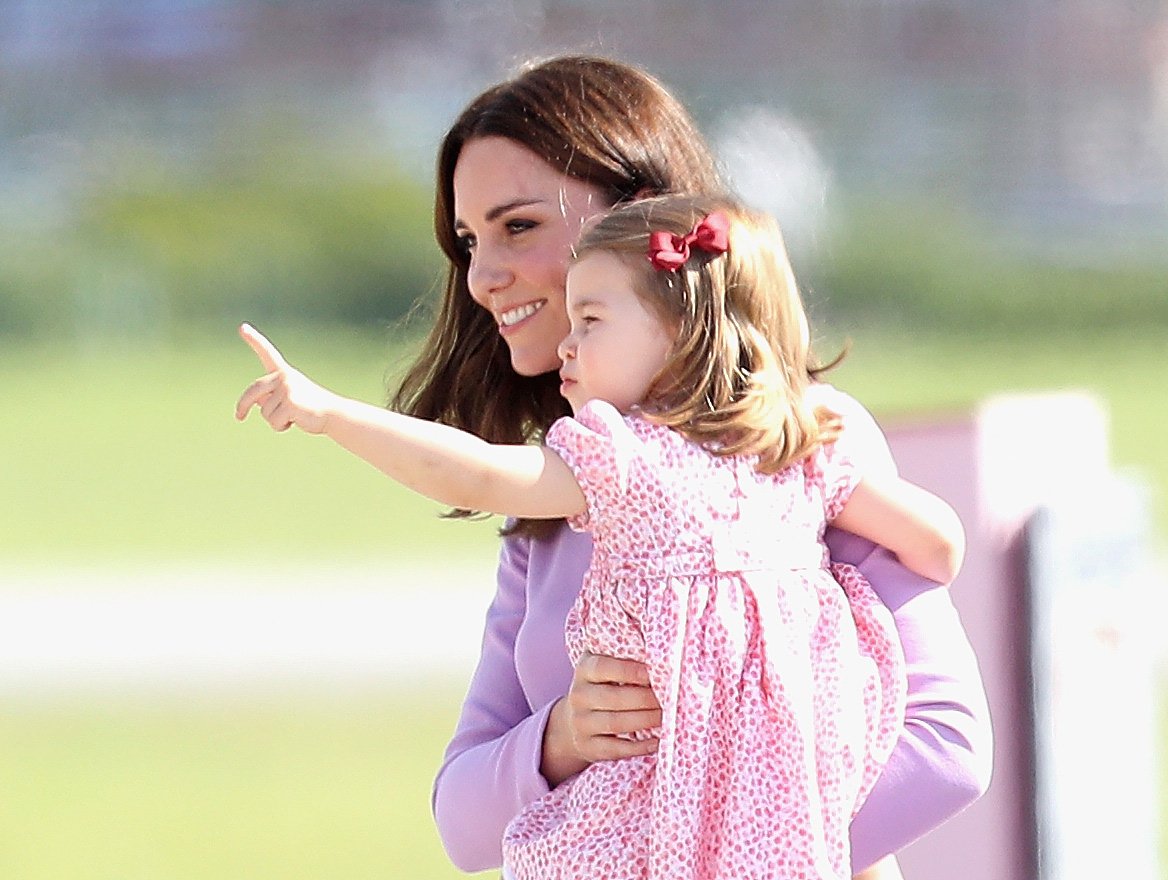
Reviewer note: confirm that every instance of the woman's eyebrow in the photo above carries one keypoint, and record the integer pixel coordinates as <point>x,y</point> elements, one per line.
<point>499,210</point>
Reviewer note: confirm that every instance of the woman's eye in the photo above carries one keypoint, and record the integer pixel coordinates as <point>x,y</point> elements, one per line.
<point>465,242</point>
<point>514,226</point>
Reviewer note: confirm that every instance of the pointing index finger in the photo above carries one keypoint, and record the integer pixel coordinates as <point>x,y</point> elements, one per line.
<point>268,354</point>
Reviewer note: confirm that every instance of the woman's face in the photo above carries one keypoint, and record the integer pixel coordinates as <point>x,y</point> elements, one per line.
<point>518,217</point>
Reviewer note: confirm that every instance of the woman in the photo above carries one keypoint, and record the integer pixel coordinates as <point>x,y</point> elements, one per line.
<point>522,169</point>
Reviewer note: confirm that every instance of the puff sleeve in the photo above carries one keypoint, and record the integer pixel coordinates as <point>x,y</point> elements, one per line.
<point>599,446</point>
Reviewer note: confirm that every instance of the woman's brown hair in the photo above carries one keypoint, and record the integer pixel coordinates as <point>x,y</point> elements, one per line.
<point>600,121</point>
<point>738,374</point>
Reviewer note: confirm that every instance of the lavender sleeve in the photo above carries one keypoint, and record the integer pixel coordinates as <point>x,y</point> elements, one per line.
<point>943,759</point>
<point>941,763</point>
<point>491,767</point>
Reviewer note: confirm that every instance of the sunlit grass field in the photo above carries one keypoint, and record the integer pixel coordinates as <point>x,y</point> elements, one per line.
<point>126,454</point>
<point>272,788</point>
<point>129,453</point>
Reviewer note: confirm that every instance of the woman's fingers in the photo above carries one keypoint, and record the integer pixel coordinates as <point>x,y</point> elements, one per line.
<point>601,735</point>
<point>610,748</point>
<point>623,723</point>
<point>608,710</point>
<point>610,699</point>
<point>600,669</point>
<point>613,697</point>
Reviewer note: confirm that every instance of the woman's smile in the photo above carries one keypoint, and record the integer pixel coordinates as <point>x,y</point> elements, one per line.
<point>512,318</point>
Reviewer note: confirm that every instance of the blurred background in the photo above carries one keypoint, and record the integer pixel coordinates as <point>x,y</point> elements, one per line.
<point>230,654</point>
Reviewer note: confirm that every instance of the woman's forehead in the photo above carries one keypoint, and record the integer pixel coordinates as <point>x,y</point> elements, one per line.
<point>495,173</point>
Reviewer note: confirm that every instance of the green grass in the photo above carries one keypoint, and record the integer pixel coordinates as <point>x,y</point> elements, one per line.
<point>130,453</point>
<point>280,788</point>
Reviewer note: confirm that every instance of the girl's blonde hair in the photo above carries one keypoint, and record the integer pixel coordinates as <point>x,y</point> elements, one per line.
<point>740,368</point>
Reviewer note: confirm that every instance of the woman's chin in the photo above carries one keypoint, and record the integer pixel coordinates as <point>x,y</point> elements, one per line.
<point>528,363</point>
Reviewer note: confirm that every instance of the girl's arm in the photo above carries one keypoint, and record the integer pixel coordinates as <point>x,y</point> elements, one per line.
<point>922,530</point>
<point>450,466</point>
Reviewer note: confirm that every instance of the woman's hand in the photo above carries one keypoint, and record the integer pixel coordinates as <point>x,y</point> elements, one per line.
<point>609,699</point>
<point>285,396</point>
<point>888,868</point>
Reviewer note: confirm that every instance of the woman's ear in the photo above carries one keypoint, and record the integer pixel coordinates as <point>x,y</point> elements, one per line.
<point>645,192</point>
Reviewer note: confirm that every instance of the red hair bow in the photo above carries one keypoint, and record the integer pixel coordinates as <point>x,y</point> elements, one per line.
<point>669,252</point>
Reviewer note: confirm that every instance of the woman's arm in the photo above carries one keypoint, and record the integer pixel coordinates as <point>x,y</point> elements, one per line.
<point>491,767</point>
<point>943,760</point>
<point>450,466</point>
<point>504,754</point>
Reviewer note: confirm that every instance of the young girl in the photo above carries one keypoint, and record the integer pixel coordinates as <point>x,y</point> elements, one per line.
<point>707,480</point>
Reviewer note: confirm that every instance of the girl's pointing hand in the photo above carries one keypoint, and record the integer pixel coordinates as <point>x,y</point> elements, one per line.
<point>285,396</point>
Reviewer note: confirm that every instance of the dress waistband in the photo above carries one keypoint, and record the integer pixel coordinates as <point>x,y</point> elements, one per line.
<point>719,557</point>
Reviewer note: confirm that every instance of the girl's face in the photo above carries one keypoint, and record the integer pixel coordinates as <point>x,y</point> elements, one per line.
<point>518,218</point>
<point>617,345</point>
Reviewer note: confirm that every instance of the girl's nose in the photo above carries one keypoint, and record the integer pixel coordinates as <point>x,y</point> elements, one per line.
<point>567,348</point>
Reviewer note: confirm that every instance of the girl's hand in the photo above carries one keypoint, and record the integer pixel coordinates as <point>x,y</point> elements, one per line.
<point>609,699</point>
<point>285,396</point>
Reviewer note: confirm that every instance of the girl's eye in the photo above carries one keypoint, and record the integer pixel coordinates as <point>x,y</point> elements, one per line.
<point>581,323</point>
<point>514,226</point>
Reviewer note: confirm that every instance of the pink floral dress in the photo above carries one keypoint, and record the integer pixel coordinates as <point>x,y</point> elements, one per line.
<point>782,694</point>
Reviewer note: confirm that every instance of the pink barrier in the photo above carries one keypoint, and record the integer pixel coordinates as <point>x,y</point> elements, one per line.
<point>998,466</point>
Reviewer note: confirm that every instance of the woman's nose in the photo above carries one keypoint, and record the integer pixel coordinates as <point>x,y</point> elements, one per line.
<point>486,276</point>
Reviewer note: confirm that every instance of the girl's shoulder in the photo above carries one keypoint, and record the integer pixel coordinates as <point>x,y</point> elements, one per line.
<point>840,402</point>
<point>862,439</point>
<point>601,418</point>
